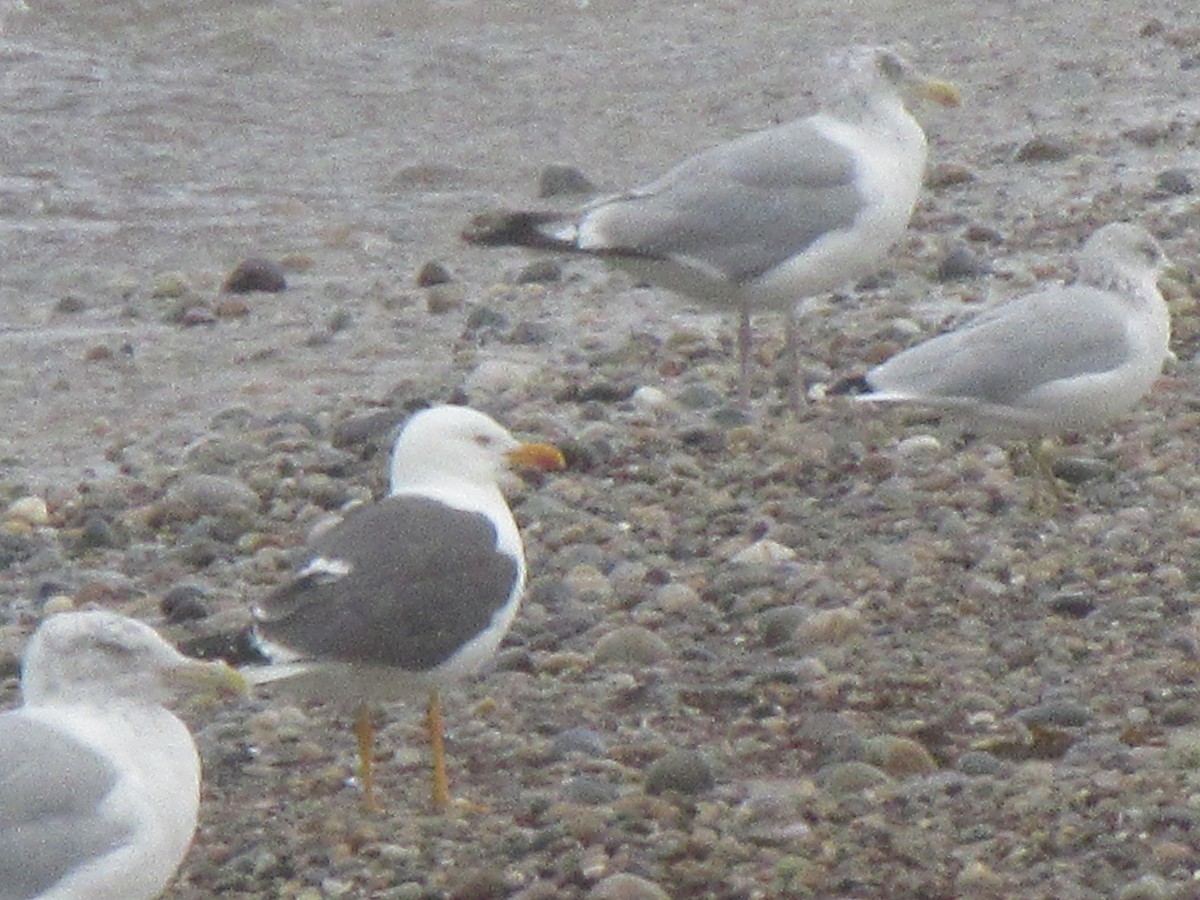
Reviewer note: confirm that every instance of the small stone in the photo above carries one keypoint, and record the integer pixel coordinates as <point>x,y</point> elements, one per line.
<point>700,396</point>
<point>682,772</point>
<point>433,272</point>
<point>650,399</point>
<point>96,532</point>
<point>198,494</point>
<point>590,790</point>
<point>961,262</point>
<point>831,626</point>
<point>557,179</point>
<point>443,298</point>
<point>624,886</point>
<point>540,271</point>
<point>978,880</point>
<point>854,777</point>
<point>1060,714</point>
<point>231,308</point>
<point>946,174</point>
<point>764,552</point>
<point>1148,887</point>
<point>580,740</point>
<point>70,304</point>
<point>197,315</point>
<point>1174,181</point>
<point>184,603</point>
<point>98,353</point>
<point>29,510</point>
<point>1072,604</point>
<point>1044,149</point>
<point>779,624</point>
<point>169,286</point>
<point>678,598</point>
<point>979,763</point>
<point>900,757</point>
<point>255,274</point>
<point>632,644</point>
<point>1082,469</point>
<point>983,234</point>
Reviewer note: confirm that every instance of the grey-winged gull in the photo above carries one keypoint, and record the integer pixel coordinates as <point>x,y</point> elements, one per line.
<point>1058,360</point>
<point>410,592</point>
<point>100,784</point>
<point>770,218</point>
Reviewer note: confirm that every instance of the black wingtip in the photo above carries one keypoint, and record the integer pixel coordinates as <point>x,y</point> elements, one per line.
<point>503,228</point>
<point>854,385</point>
<point>237,648</point>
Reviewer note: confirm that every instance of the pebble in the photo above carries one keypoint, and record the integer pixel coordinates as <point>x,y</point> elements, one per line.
<point>539,271</point>
<point>624,886</point>
<point>764,552</point>
<point>1045,149</point>
<point>852,777</point>
<point>831,626</point>
<point>556,179</point>
<point>631,645</point>
<point>1072,604</point>
<point>198,494</point>
<point>899,757</point>
<point>961,262</point>
<point>184,603</point>
<point>1061,714</point>
<point>682,772</point>
<point>1176,182</point>
<point>978,763</point>
<point>31,511</point>
<point>255,274</point>
<point>432,272</point>
<point>580,740</point>
<point>778,625</point>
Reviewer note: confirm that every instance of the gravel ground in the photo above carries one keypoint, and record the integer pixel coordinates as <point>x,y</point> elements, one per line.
<point>832,656</point>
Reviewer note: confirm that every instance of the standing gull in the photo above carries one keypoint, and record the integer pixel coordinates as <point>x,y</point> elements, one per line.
<point>770,218</point>
<point>100,784</point>
<point>408,593</point>
<point>1061,359</point>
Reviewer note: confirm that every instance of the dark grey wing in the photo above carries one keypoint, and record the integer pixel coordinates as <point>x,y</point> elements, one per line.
<point>51,791</point>
<point>424,579</point>
<point>743,207</point>
<point>1013,350</point>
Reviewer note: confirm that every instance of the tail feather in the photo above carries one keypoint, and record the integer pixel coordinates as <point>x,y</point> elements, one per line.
<point>503,228</point>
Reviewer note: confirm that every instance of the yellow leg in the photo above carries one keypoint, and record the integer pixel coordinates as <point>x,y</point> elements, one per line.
<point>364,731</point>
<point>437,748</point>
<point>1042,456</point>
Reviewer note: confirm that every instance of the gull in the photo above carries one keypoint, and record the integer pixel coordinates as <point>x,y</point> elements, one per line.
<point>100,784</point>
<point>407,594</point>
<point>770,218</point>
<point>1058,360</point>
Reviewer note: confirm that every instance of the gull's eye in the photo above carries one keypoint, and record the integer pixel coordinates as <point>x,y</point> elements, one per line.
<point>484,440</point>
<point>891,66</point>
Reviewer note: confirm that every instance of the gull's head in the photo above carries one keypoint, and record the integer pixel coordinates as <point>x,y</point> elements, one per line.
<point>463,443</point>
<point>872,71</point>
<point>1122,254</point>
<point>99,656</point>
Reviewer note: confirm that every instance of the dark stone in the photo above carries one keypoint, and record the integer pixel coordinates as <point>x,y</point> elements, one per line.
<point>184,603</point>
<point>432,273</point>
<point>540,271</point>
<point>961,262</point>
<point>1045,149</point>
<point>556,179</point>
<point>1175,182</point>
<point>1072,604</point>
<point>255,274</point>
<point>680,772</point>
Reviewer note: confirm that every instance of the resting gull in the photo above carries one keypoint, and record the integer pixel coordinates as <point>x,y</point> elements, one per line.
<point>413,591</point>
<point>100,784</point>
<point>770,218</point>
<point>1058,360</point>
